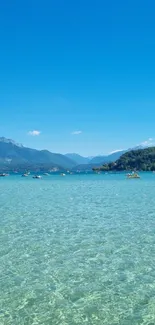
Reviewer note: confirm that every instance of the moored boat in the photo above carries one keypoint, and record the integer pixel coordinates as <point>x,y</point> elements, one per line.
<point>133,175</point>
<point>4,174</point>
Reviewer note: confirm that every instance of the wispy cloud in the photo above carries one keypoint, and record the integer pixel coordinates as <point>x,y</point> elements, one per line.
<point>34,133</point>
<point>148,142</point>
<point>76,132</point>
<point>118,150</point>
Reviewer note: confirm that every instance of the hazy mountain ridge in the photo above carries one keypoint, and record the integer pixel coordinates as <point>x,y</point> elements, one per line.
<point>106,159</point>
<point>112,157</point>
<point>14,154</point>
<point>79,160</point>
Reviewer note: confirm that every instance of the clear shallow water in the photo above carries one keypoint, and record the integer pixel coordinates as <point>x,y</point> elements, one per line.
<point>77,250</point>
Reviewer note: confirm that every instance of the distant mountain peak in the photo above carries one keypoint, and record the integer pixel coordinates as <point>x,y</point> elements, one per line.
<point>5,140</point>
<point>78,158</point>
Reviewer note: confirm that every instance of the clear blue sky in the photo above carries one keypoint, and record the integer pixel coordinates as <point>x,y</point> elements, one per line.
<point>69,66</point>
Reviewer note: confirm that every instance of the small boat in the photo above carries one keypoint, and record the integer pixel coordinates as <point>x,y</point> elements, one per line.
<point>37,176</point>
<point>133,175</point>
<point>62,174</point>
<point>25,175</point>
<point>46,174</point>
<point>3,175</point>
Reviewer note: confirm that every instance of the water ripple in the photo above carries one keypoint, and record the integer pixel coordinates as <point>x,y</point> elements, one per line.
<point>77,250</point>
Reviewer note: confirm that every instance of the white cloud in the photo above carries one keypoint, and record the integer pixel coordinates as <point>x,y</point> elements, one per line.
<point>34,133</point>
<point>76,132</point>
<point>148,142</point>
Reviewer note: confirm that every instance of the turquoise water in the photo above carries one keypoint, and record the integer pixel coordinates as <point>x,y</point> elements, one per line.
<point>77,250</point>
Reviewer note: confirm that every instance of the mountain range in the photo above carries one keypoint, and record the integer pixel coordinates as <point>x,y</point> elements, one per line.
<point>14,155</point>
<point>99,160</point>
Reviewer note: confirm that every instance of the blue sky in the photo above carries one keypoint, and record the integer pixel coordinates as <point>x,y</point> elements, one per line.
<point>81,73</point>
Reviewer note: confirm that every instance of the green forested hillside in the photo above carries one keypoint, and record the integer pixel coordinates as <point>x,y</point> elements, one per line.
<point>143,159</point>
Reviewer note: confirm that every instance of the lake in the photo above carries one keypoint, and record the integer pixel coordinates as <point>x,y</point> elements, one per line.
<point>78,249</point>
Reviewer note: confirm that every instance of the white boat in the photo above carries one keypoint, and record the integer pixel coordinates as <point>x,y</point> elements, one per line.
<point>25,175</point>
<point>62,174</point>
<point>4,174</point>
<point>37,176</point>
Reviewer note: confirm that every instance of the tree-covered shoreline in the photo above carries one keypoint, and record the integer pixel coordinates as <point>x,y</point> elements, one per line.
<point>142,160</point>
